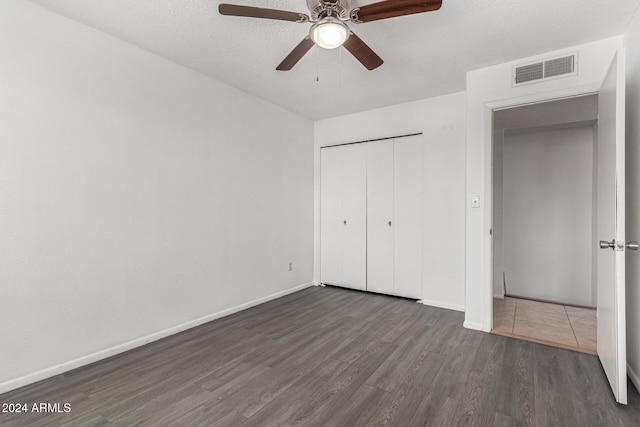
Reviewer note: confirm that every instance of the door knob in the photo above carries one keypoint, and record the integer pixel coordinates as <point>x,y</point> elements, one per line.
<point>345,222</point>
<point>632,246</point>
<point>607,245</point>
<point>389,223</point>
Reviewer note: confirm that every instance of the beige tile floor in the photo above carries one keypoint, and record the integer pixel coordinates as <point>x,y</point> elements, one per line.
<point>565,325</point>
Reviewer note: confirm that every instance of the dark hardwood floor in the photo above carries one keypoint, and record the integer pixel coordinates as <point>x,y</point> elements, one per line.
<point>334,357</point>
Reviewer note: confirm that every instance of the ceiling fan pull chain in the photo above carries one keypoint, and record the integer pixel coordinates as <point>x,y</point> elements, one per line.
<point>317,64</point>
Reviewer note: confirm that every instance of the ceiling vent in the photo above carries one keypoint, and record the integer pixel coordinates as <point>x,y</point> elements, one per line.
<point>553,68</point>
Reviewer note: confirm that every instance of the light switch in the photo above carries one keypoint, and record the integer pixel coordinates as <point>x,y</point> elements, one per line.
<point>475,201</point>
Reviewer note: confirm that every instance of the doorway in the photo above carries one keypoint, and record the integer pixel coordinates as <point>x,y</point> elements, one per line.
<point>543,222</point>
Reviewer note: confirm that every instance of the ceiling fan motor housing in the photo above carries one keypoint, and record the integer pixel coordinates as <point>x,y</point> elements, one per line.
<point>320,9</point>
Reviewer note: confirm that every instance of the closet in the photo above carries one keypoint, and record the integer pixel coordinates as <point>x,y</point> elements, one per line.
<point>371,216</point>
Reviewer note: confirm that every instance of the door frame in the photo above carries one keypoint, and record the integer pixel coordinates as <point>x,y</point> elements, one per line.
<point>487,211</point>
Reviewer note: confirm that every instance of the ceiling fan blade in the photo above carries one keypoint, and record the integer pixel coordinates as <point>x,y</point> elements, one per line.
<point>392,8</point>
<point>259,12</point>
<point>296,54</point>
<point>362,52</point>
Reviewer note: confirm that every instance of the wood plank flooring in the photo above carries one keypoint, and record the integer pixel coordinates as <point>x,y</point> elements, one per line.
<point>333,357</point>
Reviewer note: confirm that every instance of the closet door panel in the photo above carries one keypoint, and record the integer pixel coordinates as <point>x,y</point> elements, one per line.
<point>354,210</point>
<point>408,216</point>
<point>380,217</point>
<point>331,216</point>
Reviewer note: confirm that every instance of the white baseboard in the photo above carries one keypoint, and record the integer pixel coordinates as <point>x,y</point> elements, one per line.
<point>440,304</point>
<point>635,379</point>
<point>121,348</point>
<point>499,296</point>
<point>472,325</point>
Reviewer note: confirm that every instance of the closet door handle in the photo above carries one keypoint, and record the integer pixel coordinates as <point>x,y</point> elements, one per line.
<point>607,245</point>
<point>389,223</point>
<point>345,222</point>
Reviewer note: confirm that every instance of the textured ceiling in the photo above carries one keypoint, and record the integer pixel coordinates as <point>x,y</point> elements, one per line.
<point>425,55</point>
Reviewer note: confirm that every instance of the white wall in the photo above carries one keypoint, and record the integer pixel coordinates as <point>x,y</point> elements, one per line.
<point>497,221</point>
<point>489,88</point>
<point>442,121</point>
<point>136,196</point>
<point>566,113</point>
<point>547,210</point>
<point>632,43</point>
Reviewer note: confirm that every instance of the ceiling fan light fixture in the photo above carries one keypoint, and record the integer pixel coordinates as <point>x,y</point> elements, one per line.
<point>329,33</point>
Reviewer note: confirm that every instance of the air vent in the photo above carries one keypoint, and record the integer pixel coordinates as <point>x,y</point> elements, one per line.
<point>530,72</point>
<point>558,67</point>
<point>544,70</point>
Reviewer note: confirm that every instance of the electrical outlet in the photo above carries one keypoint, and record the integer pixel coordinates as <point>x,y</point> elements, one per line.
<point>290,266</point>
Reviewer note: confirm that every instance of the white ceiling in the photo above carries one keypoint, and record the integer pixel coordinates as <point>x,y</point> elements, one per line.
<point>425,55</point>
<point>580,110</point>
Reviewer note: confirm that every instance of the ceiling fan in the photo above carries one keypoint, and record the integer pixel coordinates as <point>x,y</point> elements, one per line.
<point>329,29</point>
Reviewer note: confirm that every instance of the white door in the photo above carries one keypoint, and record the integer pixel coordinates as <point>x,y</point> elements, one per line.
<point>354,211</point>
<point>380,217</point>
<point>407,225</point>
<point>610,228</point>
<point>331,216</point>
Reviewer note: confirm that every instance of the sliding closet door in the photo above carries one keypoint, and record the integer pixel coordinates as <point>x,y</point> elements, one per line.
<point>380,217</point>
<point>354,210</point>
<point>331,216</point>
<point>407,226</point>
